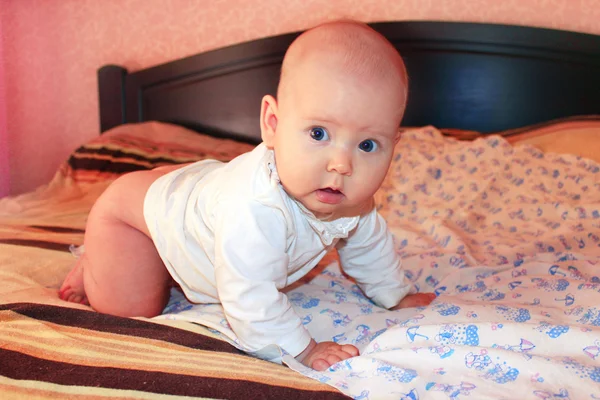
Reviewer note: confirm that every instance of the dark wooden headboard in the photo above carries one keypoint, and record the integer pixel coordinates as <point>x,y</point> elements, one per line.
<point>482,77</point>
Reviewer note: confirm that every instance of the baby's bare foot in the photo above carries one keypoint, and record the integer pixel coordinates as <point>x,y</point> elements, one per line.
<point>72,288</point>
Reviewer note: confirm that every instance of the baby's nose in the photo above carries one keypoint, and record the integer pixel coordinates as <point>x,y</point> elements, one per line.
<point>340,162</point>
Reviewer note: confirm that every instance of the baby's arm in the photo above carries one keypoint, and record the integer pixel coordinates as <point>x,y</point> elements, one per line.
<point>369,256</point>
<point>251,267</point>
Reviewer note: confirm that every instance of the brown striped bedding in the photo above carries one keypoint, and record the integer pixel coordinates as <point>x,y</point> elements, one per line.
<point>51,351</point>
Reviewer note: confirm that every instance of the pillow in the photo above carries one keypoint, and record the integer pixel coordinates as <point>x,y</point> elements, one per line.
<point>143,146</point>
<point>578,136</point>
<point>92,167</point>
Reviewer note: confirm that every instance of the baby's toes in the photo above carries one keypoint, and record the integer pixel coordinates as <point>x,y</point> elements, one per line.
<point>65,292</point>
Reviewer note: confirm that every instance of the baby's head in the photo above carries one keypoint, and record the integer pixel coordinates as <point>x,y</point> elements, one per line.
<point>334,124</point>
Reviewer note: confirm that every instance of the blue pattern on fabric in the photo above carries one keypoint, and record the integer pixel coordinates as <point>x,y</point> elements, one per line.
<point>509,239</point>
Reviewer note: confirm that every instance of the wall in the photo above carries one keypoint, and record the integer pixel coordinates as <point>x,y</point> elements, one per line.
<point>53,48</point>
<point>4,173</point>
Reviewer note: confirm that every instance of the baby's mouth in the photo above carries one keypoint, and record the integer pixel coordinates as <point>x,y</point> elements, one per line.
<point>329,195</point>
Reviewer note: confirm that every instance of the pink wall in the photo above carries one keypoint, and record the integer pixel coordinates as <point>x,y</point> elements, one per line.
<point>53,48</point>
<point>4,174</point>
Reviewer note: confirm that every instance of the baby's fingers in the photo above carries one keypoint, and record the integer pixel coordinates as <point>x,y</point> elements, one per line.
<point>350,349</point>
<point>320,365</point>
<point>334,356</point>
<point>416,300</point>
<point>341,353</point>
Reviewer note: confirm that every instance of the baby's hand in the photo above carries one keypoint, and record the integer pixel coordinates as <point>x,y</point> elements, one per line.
<point>320,356</point>
<point>415,300</point>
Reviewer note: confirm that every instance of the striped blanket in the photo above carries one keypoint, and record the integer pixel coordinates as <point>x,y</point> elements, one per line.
<point>51,351</point>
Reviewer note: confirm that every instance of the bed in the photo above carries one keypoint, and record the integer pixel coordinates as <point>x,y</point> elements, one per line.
<point>493,197</point>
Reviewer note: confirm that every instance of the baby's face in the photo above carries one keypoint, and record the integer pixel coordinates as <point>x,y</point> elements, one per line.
<point>335,139</point>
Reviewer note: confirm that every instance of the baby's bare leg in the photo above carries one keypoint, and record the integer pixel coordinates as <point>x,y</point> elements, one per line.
<point>120,272</point>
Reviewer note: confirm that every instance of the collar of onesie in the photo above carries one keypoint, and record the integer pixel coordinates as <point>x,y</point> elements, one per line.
<point>328,231</point>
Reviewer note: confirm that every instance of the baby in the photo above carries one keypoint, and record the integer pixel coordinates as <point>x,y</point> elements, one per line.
<point>238,233</point>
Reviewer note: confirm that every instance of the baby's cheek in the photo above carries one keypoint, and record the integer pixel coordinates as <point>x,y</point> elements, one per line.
<point>371,181</point>
<point>298,181</point>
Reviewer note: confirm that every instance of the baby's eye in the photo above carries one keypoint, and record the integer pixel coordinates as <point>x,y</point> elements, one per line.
<point>367,146</point>
<point>318,133</point>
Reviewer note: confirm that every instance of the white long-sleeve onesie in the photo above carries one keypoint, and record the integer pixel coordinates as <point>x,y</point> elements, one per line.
<point>230,234</point>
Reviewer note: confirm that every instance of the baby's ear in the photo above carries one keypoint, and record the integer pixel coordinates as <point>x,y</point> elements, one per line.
<point>268,120</point>
<point>397,136</point>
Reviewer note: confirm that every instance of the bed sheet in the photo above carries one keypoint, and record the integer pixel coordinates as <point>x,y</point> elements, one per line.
<point>508,238</point>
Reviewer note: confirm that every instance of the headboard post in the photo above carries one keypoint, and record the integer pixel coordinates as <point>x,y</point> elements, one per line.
<point>111,90</point>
